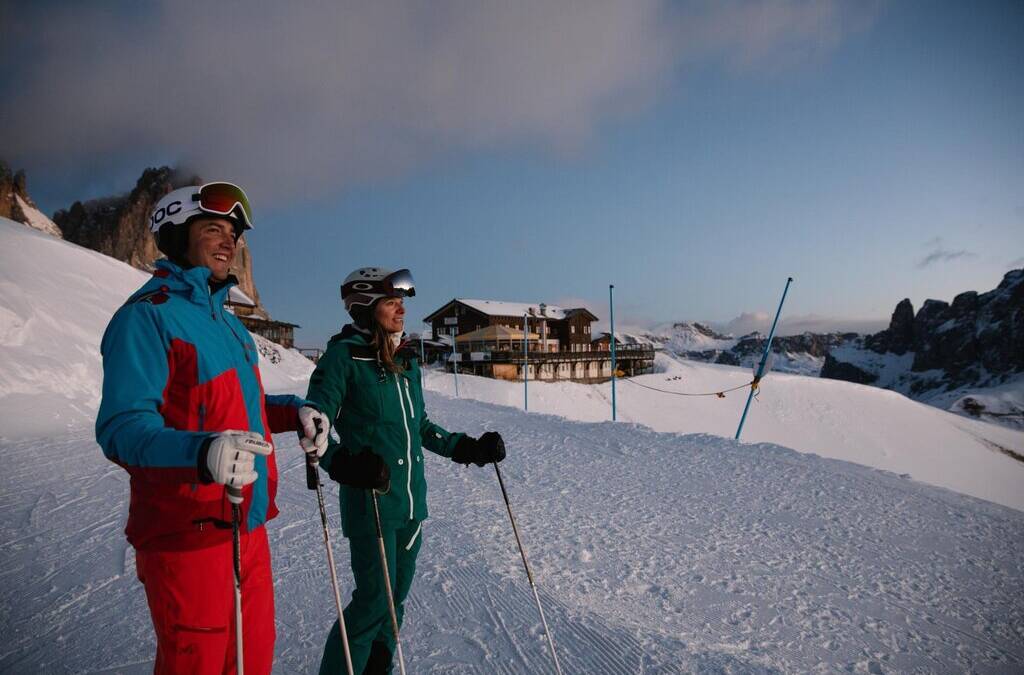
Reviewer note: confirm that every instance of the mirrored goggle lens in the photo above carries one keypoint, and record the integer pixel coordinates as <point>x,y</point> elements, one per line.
<point>401,284</point>
<point>223,198</point>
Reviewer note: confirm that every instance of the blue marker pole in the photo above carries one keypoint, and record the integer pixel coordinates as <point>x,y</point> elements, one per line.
<point>455,367</point>
<point>764,359</point>
<point>611,312</point>
<point>526,361</point>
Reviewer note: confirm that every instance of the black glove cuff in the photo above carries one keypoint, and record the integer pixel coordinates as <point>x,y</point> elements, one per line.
<point>202,466</point>
<point>337,469</point>
<point>464,450</point>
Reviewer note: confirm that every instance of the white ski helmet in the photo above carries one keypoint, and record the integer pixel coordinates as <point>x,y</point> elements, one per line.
<point>367,285</point>
<point>173,212</point>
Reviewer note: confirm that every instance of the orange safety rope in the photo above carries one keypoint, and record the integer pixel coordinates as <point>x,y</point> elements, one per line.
<point>720,394</point>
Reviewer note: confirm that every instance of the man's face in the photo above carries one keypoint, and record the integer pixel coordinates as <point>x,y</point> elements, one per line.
<point>211,243</point>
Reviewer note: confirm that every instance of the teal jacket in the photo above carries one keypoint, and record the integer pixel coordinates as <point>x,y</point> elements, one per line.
<point>373,407</point>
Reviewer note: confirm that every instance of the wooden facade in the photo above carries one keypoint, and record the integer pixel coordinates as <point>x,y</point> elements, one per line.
<point>257,321</point>
<point>281,332</point>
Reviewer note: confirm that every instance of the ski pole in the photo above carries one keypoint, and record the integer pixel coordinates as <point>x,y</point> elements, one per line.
<point>529,575</point>
<point>387,582</point>
<point>313,483</point>
<point>235,497</point>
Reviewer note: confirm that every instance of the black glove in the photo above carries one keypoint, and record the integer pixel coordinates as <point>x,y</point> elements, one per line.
<point>365,470</point>
<point>488,448</point>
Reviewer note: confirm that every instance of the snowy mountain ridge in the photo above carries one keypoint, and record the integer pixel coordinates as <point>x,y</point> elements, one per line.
<point>798,354</point>
<point>966,356</point>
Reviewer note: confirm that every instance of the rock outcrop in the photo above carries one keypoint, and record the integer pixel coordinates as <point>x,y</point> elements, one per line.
<point>975,341</point>
<point>118,226</point>
<point>17,205</point>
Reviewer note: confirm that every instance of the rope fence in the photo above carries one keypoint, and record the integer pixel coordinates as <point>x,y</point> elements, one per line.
<point>753,384</point>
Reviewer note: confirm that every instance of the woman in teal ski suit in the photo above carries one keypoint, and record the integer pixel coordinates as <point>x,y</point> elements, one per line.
<point>369,384</point>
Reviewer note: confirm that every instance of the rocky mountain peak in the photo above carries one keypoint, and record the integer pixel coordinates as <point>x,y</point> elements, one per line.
<point>977,340</point>
<point>898,338</point>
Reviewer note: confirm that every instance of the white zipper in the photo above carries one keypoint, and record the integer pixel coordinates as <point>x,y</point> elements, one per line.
<point>408,446</point>
<point>412,410</point>
<point>408,547</point>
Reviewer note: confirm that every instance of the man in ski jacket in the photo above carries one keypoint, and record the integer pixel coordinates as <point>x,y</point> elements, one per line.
<point>184,413</point>
<point>370,386</point>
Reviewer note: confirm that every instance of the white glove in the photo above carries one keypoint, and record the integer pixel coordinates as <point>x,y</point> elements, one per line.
<point>232,456</point>
<point>313,436</point>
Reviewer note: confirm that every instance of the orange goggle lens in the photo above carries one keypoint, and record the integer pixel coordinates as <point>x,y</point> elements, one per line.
<point>223,198</point>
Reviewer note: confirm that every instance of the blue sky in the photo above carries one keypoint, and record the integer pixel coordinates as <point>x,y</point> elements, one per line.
<point>693,154</point>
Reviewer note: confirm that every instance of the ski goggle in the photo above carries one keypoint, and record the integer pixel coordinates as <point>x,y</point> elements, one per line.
<point>222,199</point>
<point>399,284</point>
<point>216,199</point>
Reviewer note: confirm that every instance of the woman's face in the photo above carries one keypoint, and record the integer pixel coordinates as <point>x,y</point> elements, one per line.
<point>390,314</point>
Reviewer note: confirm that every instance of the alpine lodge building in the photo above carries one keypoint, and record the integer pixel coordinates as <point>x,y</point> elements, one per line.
<point>488,341</point>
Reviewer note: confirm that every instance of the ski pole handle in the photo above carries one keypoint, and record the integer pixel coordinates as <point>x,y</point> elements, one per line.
<point>313,464</point>
<point>234,495</point>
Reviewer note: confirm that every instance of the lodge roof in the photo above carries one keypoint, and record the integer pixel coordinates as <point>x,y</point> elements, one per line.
<point>501,308</point>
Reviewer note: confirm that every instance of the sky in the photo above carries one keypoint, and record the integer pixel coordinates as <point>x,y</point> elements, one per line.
<point>693,154</point>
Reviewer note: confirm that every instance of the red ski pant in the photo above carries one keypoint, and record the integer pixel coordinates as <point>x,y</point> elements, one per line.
<point>192,602</point>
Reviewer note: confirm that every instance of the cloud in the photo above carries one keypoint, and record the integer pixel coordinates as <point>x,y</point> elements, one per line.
<point>944,255</point>
<point>749,322</point>
<point>305,100</point>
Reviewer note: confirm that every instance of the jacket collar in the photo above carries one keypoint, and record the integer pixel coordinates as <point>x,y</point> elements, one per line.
<point>193,283</point>
<point>352,331</point>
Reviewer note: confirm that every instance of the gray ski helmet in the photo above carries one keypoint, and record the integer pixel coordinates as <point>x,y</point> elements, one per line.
<point>172,214</point>
<point>367,285</point>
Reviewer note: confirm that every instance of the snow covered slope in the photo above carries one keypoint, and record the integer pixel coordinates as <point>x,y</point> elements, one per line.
<point>831,418</point>
<point>55,301</point>
<point>653,553</point>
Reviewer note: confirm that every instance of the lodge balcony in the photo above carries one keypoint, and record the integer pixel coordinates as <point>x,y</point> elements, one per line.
<point>587,367</point>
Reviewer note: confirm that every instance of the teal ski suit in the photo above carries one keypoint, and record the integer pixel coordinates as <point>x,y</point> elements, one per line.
<point>372,407</point>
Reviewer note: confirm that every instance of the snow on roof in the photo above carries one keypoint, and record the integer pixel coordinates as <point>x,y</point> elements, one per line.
<point>497,308</point>
<point>238,296</point>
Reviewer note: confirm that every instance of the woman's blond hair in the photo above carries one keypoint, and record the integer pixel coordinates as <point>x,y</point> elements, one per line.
<point>385,347</point>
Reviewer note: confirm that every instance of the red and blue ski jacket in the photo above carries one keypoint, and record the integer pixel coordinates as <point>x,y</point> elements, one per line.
<point>178,368</point>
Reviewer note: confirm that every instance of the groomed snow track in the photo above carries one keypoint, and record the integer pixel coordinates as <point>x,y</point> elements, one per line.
<point>653,553</point>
